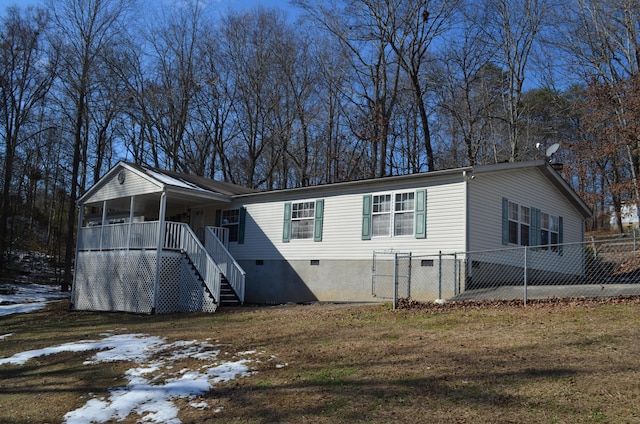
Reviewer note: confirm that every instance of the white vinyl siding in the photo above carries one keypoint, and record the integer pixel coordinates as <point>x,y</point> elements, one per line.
<point>342,226</point>
<point>525,187</point>
<point>133,185</point>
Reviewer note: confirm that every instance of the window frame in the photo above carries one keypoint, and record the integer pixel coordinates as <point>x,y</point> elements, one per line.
<point>309,219</point>
<point>519,217</point>
<point>531,227</point>
<point>550,227</point>
<point>232,227</point>
<point>381,213</point>
<point>393,213</point>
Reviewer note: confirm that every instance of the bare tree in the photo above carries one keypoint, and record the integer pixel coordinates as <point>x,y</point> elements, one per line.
<point>513,28</point>
<point>341,159</point>
<point>250,40</point>
<point>361,27</point>
<point>412,28</point>
<point>85,29</point>
<point>24,83</point>
<point>470,93</point>
<point>601,39</point>
<point>174,82</point>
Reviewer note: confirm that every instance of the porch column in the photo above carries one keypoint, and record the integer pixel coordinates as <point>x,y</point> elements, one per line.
<point>75,260</point>
<point>160,245</point>
<point>104,221</point>
<point>131,208</point>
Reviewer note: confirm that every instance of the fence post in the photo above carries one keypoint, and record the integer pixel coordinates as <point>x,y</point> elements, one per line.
<point>395,280</point>
<point>456,277</point>
<point>440,275</point>
<point>525,276</point>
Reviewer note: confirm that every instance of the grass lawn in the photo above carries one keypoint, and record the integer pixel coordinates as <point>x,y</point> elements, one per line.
<point>357,363</point>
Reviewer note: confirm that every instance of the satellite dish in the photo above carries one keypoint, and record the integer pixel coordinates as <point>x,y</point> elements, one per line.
<point>552,149</point>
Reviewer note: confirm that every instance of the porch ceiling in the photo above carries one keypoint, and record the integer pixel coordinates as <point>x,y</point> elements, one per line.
<point>151,201</point>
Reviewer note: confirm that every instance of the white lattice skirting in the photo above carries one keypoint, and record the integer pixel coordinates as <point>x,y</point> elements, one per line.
<point>124,280</point>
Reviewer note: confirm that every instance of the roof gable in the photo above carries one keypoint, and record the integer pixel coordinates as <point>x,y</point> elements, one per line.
<point>121,181</point>
<point>550,173</point>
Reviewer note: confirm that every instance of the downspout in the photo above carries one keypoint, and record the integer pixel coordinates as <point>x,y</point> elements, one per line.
<point>160,245</point>
<point>466,179</point>
<point>75,262</point>
<point>467,232</point>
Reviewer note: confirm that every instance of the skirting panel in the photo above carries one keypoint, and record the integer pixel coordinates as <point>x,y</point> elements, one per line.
<point>180,290</point>
<point>115,281</point>
<point>125,280</point>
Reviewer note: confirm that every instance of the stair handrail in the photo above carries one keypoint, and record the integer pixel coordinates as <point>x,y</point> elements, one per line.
<point>231,269</point>
<point>201,259</point>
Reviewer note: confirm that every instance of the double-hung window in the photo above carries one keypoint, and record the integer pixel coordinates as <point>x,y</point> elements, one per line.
<point>393,215</point>
<point>230,221</point>
<point>233,220</point>
<point>549,231</point>
<point>381,215</point>
<point>519,224</point>
<point>403,214</point>
<point>302,216</point>
<point>303,220</point>
<point>527,226</point>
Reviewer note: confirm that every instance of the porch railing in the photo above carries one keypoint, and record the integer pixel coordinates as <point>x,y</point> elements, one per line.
<point>230,268</point>
<point>144,235</point>
<point>202,261</point>
<point>137,235</point>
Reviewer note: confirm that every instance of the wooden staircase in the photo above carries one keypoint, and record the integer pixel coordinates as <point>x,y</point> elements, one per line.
<point>228,296</point>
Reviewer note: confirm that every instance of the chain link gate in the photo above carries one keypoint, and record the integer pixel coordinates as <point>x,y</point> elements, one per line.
<point>391,275</point>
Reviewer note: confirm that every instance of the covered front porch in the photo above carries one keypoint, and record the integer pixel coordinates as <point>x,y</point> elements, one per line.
<point>143,246</point>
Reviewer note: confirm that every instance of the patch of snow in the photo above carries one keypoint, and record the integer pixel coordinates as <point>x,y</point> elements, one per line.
<point>199,405</point>
<point>147,392</point>
<point>150,397</point>
<point>20,309</point>
<point>26,298</point>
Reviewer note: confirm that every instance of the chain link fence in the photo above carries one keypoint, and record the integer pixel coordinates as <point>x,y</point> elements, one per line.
<point>608,267</point>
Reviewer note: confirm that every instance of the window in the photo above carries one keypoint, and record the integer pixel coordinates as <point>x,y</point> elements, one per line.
<point>525,223</point>
<point>302,215</point>
<point>403,219</point>
<point>549,232</point>
<point>527,226</point>
<point>519,223</point>
<point>230,221</point>
<point>303,220</point>
<point>234,221</point>
<point>381,215</point>
<point>392,218</point>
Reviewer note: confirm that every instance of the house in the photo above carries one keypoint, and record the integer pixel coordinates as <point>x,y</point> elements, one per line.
<point>628,216</point>
<point>158,241</point>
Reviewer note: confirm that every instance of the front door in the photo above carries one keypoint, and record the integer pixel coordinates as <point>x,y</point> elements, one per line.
<point>197,223</point>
